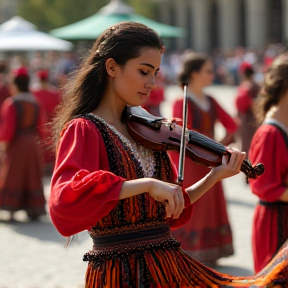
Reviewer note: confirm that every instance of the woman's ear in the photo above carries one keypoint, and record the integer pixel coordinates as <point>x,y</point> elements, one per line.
<point>111,66</point>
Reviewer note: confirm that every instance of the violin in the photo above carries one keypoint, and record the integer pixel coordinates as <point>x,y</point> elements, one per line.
<point>160,134</point>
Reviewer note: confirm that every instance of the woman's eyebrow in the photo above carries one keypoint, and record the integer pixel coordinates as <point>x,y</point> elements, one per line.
<point>149,65</point>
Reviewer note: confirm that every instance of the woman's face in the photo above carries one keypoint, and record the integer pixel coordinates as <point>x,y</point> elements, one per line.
<point>134,82</point>
<point>205,76</point>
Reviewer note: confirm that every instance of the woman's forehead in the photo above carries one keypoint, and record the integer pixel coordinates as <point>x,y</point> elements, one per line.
<point>149,57</point>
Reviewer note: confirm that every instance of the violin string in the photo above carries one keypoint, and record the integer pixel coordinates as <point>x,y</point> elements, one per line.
<point>204,141</point>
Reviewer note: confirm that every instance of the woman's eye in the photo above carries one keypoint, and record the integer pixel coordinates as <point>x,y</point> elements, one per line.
<point>143,73</point>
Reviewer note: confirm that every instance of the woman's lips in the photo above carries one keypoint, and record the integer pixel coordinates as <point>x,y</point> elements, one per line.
<point>144,96</point>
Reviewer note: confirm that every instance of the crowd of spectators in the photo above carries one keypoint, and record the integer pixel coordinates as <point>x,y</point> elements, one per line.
<point>58,64</point>
<point>226,63</point>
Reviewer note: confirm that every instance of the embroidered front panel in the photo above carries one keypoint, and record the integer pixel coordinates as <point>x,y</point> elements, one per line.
<point>141,211</point>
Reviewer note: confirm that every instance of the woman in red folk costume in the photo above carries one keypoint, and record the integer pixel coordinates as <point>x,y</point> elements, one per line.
<point>119,191</point>
<point>207,236</point>
<point>246,94</point>
<point>270,146</point>
<point>21,170</point>
<point>4,91</point>
<point>50,97</point>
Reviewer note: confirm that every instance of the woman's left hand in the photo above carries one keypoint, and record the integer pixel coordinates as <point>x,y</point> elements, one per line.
<point>229,167</point>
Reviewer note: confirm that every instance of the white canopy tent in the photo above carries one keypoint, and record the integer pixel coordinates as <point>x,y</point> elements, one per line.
<point>17,34</point>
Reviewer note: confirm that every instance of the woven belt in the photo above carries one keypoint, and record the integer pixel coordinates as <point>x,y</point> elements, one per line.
<point>135,237</point>
<point>272,204</point>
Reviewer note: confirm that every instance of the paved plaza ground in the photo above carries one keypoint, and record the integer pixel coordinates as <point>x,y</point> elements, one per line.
<point>32,254</point>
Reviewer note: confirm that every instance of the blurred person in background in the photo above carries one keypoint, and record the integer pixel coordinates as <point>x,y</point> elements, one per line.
<point>21,170</point>
<point>245,97</point>
<point>207,236</point>
<point>233,60</point>
<point>270,147</point>
<point>36,63</point>
<point>4,90</point>
<point>66,64</point>
<point>4,94</point>
<point>49,96</point>
<point>51,62</point>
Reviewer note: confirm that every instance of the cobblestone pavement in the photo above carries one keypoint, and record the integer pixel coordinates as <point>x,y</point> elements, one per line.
<point>32,254</point>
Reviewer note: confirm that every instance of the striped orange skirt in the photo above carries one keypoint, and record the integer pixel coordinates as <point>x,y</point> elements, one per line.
<point>156,260</point>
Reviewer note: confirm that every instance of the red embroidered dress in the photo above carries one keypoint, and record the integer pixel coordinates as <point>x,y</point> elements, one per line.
<point>21,185</point>
<point>207,236</point>
<point>133,246</point>
<point>270,221</point>
<point>49,98</point>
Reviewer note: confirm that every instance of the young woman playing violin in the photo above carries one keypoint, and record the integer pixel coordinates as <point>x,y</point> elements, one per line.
<point>119,191</point>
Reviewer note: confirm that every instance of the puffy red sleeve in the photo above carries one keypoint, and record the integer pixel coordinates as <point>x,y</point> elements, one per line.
<point>82,189</point>
<point>187,211</point>
<point>226,120</point>
<point>268,147</point>
<point>243,99</point>
<point>8,120</point>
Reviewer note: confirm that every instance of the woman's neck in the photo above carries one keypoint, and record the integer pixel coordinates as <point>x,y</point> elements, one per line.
<point>196,91</point>
<point>248,81</point>
<point>44,85</point>
<point>111,114</point>
<point>110,109</point>
<point>279,112</point>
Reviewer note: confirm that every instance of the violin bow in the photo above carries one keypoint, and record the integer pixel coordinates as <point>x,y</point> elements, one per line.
<point>184,139</point>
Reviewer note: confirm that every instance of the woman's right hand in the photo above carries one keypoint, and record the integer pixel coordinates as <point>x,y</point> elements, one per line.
<point>170,195</point>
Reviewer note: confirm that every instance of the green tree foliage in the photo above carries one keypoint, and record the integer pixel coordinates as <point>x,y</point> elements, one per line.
<point>143,7</point>
<point>50,14</point>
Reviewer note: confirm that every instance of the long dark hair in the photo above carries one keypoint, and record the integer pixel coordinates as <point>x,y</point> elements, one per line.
<point>85,89</point>
<point>274,87</point>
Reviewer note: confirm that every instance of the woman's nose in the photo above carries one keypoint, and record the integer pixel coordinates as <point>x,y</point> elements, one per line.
<point>152,84</point>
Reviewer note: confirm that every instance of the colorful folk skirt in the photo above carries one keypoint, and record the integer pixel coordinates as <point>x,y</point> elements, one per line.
<point>207,236</point>
<point>21,186</point>
<point>152,258</point>
<point>270,218</point>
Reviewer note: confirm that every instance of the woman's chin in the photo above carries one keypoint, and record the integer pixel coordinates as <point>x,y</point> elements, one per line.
<point>136,103</point>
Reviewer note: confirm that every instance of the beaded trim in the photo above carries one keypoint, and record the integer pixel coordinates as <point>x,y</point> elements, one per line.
<point>98,257</point>
<point>147,161</point>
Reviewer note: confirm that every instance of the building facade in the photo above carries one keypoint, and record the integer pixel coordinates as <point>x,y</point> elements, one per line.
<point>226,24</point>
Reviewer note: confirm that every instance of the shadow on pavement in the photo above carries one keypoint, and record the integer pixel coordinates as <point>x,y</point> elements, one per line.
<point>234,270</point>
<point>241,203</point>
<point>43,230</point>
